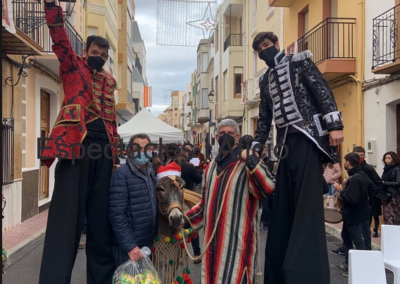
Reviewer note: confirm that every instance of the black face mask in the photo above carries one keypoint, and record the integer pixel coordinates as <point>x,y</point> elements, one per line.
<point>96,62</point>
<point>226,142</point>
<point>268,55</point>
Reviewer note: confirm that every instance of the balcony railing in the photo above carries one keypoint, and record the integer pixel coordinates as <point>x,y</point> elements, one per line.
<point>233,40</point>
<point>332,38</point>
<point>386,37</point>
<point>29,17</point>
<point>8,150</point>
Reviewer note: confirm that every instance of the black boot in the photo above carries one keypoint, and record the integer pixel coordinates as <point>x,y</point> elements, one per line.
<point>375,234</point>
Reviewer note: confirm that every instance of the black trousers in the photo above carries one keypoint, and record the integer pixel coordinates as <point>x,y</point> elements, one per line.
<point>265,215</point>
<point>296,238</point>
<point>352,234</point>
<point>82,187</point>
<point>366,234</point>
<point>196,245</point>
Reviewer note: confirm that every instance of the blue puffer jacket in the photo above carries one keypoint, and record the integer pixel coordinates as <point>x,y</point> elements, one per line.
<point>133,209</point>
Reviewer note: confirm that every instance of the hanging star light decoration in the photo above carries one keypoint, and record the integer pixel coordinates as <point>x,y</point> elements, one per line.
<point>208,23</point>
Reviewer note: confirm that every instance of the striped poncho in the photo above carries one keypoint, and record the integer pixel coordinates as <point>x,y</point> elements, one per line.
<point>231,257</point>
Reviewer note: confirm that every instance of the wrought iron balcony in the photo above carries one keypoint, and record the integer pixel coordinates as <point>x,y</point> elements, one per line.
<point>332,45</point>
<point>386,42</point>
<point>29,17</point>
<point>233,40</point>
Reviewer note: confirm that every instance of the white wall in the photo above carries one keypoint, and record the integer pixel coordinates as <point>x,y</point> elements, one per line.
<point>380,102</point>
<point>380,120</point>
<point>12,212</point>
<point>373,9</point>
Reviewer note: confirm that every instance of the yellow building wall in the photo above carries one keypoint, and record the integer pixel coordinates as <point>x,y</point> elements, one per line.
<point>348,97</point>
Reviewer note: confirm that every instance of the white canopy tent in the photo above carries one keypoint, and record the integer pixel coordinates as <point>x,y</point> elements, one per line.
<point>146,122</point>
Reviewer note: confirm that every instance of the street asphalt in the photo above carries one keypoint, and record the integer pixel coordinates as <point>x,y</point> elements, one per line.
<point>24,268</point>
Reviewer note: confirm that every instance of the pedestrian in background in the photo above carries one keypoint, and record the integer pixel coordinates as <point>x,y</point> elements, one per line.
<point>375,204</point>
<point>391,184</point>
<point>332,174</point>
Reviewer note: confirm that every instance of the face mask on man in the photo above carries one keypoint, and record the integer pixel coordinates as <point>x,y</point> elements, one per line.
<point>142,160</point>
<point>268,56</point>
<point>226,142</point>
<point>96,62</point>
<point>362,159</point>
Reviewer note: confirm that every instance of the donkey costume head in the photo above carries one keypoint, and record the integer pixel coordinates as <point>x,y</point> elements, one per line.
<point>169,192</point>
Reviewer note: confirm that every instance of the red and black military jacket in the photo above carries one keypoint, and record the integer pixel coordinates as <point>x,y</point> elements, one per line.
<point>89,95</point>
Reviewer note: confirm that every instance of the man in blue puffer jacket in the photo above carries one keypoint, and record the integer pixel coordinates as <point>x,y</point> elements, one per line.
<point>133,203</point>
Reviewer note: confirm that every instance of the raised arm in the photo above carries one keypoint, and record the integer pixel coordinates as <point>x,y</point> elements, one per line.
<point>61,44</point>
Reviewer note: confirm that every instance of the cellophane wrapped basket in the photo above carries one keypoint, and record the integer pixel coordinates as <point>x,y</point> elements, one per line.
<point>137,272</point>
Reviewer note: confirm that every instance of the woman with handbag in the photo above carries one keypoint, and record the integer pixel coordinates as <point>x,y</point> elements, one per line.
<point>391,184</point>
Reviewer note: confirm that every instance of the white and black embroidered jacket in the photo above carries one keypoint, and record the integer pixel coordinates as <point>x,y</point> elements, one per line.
<point>295,94</point>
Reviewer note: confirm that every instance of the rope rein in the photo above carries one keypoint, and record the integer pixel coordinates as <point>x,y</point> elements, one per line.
<point>216,223</point>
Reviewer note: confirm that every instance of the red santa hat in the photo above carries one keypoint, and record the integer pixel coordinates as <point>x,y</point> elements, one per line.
<point>172,169</point>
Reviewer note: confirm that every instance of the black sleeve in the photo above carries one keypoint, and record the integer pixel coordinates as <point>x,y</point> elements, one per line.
<point>195,175</point>
<point>373,176</point>
<point>396,182</point>
<point>265,112</point>
<point>322,94</point>
<point>351,193</point>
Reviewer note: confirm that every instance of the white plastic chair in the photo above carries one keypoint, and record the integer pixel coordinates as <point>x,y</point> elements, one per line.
<point>390,247</point>
<point>366,267</point>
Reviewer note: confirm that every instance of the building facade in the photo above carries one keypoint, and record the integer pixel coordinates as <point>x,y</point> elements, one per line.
<point>126,107</point>
<point>31,105</point>
<point>333,30</point>
<point>228,61</point>
<point>140,85</point>
<point>382,80</point>
<point>259,17</point>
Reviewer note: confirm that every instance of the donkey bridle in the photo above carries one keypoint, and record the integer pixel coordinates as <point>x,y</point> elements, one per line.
<point>173,205</point>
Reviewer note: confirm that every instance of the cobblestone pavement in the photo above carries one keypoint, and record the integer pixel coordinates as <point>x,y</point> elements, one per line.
<point>25,268</point>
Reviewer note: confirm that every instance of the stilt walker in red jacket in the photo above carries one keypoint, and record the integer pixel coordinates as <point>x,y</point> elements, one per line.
<point>84,139</point>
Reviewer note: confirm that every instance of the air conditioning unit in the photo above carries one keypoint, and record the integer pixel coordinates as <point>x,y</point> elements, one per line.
<point>371,153</point>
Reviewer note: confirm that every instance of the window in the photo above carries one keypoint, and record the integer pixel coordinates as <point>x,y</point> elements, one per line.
<point>110,61</point>
<point>198,62</point>
<point>119,16</point>
<point>91,31</point>
<point>226,86</point>
<point>205,61</point>
<point>81,18</point>
<point>129,82</point>
<point>204,102</point>
<point>216,38</point>
<point>119,83</point>
<point>238,80</point>
<point>216,89</point>
<point>128,24</point>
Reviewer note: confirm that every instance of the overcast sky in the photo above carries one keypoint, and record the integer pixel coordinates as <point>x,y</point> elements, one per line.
<point>168,67</point>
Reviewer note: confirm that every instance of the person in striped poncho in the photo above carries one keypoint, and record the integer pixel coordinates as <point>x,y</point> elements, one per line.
<point>233,187</point>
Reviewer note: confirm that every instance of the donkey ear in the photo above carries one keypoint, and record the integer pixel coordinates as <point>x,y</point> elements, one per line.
<point>156,162</point>
<point>181,182</point>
